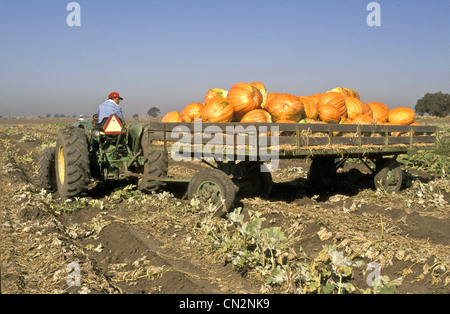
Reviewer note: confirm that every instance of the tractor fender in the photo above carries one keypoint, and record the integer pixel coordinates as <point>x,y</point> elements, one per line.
<point>135,134</point>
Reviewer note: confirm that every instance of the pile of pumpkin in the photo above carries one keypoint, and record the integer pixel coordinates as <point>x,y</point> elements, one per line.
<point>252,103</point>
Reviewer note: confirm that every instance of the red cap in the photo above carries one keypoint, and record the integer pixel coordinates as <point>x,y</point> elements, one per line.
<point>114,95</point>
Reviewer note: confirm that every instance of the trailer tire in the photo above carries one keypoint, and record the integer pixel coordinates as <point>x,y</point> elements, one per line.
<point>214,187</point>
<point>257,183</point>
<point>389,175</point>
<point>321,173</point>
<point>249,177</point>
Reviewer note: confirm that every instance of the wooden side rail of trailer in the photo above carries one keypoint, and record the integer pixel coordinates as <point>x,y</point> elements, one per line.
<point>240,152</point>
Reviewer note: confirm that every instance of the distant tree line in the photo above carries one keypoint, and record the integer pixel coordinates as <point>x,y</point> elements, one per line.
<point>437,104</point>
<point>152,112</point>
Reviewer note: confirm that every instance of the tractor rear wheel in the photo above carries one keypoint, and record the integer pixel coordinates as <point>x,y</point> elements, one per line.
<point>46,170</point>
<point>156,165</point>
<point>72,162</point>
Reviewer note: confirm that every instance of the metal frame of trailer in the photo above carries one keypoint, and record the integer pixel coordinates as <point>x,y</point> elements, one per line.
<point>240,149</point>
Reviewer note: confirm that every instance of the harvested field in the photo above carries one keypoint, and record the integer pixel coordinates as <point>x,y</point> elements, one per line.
<point>296,240</point>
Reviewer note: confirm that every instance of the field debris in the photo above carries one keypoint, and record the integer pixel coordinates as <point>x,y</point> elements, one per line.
<point>296,240</point>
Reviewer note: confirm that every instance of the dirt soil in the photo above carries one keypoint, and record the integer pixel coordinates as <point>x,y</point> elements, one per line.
<point>130,243</point>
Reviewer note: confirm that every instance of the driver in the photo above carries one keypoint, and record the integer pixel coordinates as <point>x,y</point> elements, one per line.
<point>110,107</point>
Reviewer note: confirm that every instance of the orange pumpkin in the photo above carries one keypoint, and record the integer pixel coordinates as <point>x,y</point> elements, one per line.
<point>244,97</point>
<point>215,92</point>
<point>192,111</point>
<point>334,99</point>
<point>307,120</point>
<point>285,107</point>
<point>367,107</point>
<point>343,91</point>
<point>365,118</point>
<point>288,133</point>
<point>314,99</point>
<point>380,111</point>
<point>257,115</point>
<point>285,121</point>
<point>404,133</point>
<point>218,109</point>
<point>316,96</point>
<point>329,114</point>
<point>270,96</point>
<point>394,133</point>
<point>345,120</point>
<point>355,107</point>
<point>172,117</point>
<point>352,93</point>
<point>311,109</point>
<point>401,116</point>
<point>416,124</point>
<point>264,93</point>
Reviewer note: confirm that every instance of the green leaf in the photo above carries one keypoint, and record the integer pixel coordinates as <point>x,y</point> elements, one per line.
<point>328,288</point>
<point>388,289</point>
<point>274,238</point>
<point>314,285</point>
<point>236,216</point>
<point>277,276</point>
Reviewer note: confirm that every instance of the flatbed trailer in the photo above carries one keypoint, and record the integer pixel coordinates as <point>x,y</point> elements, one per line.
<point>241,155</point>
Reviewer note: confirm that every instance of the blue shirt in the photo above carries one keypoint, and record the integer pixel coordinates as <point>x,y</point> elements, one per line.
<point>109,108</point>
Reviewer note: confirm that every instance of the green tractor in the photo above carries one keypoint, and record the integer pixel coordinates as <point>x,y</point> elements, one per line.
<point>107,150</point>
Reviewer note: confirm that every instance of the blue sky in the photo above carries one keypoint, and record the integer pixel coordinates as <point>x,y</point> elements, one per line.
<point>170,53</point>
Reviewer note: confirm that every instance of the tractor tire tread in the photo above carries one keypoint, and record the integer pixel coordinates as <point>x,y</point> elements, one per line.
<point>74,142</point>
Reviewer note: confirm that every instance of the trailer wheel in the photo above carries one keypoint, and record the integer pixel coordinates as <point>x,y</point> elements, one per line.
<point>257,183</point>
<point>388,175</point>
<point>249,178</point>
<point>260,184</point>
<point>213,187</point>
<point>72,162</point>
<point>46,170</point>
<point>321,172</point>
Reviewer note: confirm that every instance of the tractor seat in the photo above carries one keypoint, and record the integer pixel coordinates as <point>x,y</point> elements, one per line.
<point>100,125</point>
